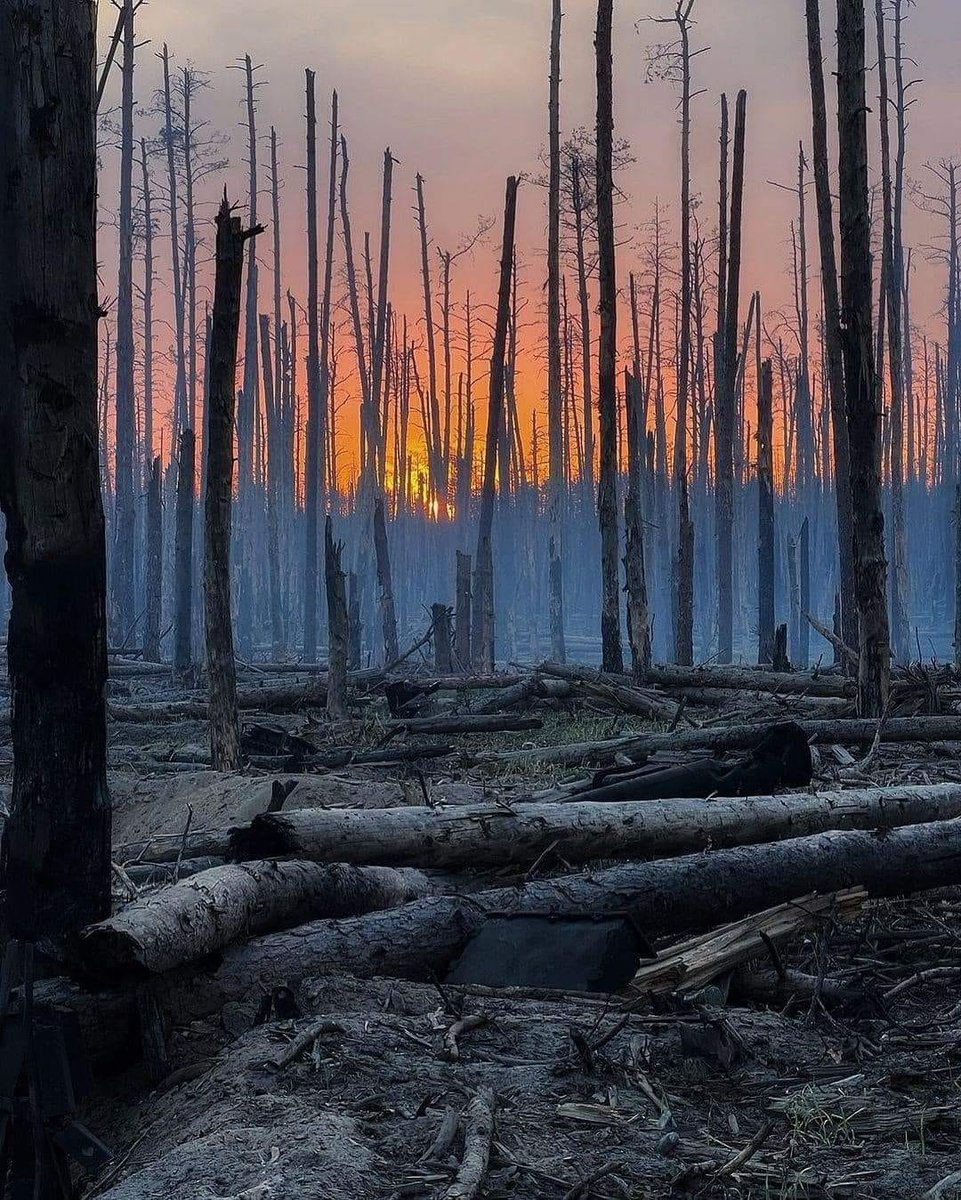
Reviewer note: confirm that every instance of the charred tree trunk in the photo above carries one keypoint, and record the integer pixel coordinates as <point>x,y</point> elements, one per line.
<point>153,576</point>
<point>607,353</point>
<point>274,467</point>
<point>462,612</point>
<point>832,325</point>
<point>483,601</point>
<point>313,468</point>
<point>56,842</point>
<point>725,390</point>
<point>765,517</point>
<point>183,552</point>
<point>440,622</point>
<point>221,402</point>
<point>125,519</point>
<point>861,382</point>
<point>555,398</point>
<point>337,626</point>
<point>385,582</point>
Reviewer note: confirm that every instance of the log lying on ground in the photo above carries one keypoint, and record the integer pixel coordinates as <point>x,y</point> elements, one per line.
<point>492,835</point>
<point>200,916</point>
<point>617,690</point>
<point>736,737</point>
<point>666,896</point>
<point>799,683</point>
<point>465,723</point>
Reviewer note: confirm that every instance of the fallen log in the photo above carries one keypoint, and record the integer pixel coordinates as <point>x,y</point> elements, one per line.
<point>853,731</point>
<point>794,683</point>
<point>200,916</point>
<point>666,896</point>
<point>465,723</point>
<point>616,690</point>
<point>493,835</point>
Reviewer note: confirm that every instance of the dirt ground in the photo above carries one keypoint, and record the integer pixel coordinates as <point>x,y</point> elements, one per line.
<point>611,1098</point>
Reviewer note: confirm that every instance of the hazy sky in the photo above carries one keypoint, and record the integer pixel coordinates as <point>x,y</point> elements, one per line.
<point>458,89</point>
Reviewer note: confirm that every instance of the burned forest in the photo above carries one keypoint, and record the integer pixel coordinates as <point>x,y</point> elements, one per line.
<point>480,714</point>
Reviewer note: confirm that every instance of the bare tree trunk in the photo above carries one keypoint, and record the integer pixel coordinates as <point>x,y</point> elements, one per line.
<point>765,517</point>
<point>385,581</point>
<point>892,284</point>
<point>684,632</point>
<point>153,576</point>
<point>435,454</point>
<point>462,612</point>
<point>125,522</point>
<point>635,571</point>
<point>440,622</point>
<point>483,600</point>
<point>337,626</point>
<point>221,402</point>
<point>148,273</point>
<point>274,467</point>
<point>180,385</point>
<point>555,423</point>
<point>863,412</point>
<point>607,355</point>
<point>313,466</point>
<point>584,301</point>
<point>183,552</point>
<point>327,482</point>
<point>832,325</point>
<point>56,842</point>
<point>725,388</point>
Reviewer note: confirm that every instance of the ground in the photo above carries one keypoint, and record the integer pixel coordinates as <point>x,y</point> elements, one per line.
<point>852,1095</point>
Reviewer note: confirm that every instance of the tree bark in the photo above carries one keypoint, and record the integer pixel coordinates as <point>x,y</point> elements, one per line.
<point>183,552</point>
<point>483,609</point>
<point>765,517</point>
<point>861,382</point>
<point>555,398</point>
<point>385,581</point>
<point>337,625</point>
<point>494,835</point>
<point>191,919</point>
<point>462,612</point>
<point>607,353</point>
<point>221,401</point>
<point>153,576</point>
<point>56,840</point>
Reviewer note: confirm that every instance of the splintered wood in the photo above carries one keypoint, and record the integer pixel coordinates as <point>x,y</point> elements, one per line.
<point>692,964</point>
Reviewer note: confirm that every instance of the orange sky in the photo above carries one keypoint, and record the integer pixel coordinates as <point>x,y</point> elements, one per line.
<point>458,90</point>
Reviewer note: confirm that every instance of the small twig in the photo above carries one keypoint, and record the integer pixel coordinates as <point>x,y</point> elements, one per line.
<point>183,843</point>
<point>580,1190</point>
<point>305,1040</point>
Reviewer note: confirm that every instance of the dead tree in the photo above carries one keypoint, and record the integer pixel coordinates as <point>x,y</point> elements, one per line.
<point>483,600</point>
<point>180,384</point>
<point>555,424</point>
<point>153,574</point>
<point>832,325</point>
<point>125,522</point>
<point>337,626</point>
<point>892,293</point>
<point>433,433</point>
<point>861,381</point>
<point>684,631</point>
<point>765,516</point>
<point>147,297</point>
<point>726,370</point>
<point>462,612</point>
<point>221,400</point>
<point>56,843</point>
<point>313,467</point>
<point>613,658</point>
<point>274,489</point>
<point>183,552</point>
<point>385,581</point>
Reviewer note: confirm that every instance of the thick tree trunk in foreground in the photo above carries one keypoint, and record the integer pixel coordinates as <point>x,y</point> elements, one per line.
<point>57,838</point>
<point>492,835</point>
<point>667,896</point>
<point>607,353</point>
<point>199,916</point>
<point>483,606</point>
<point>861,381</point>
<point>221,400</point>
<point>462,609</point>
